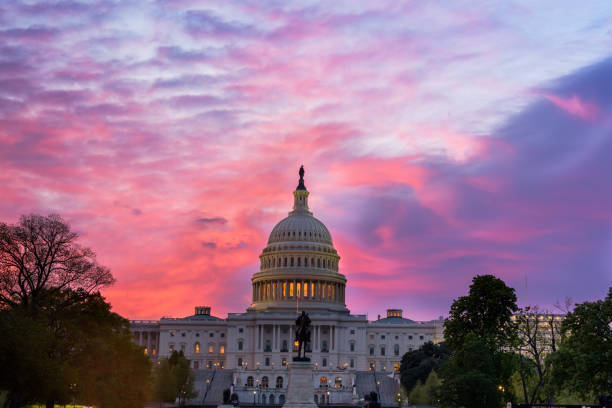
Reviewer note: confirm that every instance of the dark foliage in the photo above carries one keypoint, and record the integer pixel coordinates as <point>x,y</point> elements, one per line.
<point>416,365</point>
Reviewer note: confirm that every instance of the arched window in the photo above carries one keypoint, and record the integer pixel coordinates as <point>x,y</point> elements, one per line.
<point>291,261</point>
<point>306,262</point>
<point>263,399</point>
<point>352,346</point>
<point>316,399</point>
<point>279,382</point>
<point>318,262</point>
<point>299,261</point>
<point>249,381</point>
<point>285,261</point>
<point>312,262</point>
<point>264,381</point>
<point>281,399</point>
<point>211,348</point>
<point>240,344</point>
<point>352,363</point>
<point>196,348</point>
<point>222,349</point>
<point>396,350</point>
<point>271,399</point>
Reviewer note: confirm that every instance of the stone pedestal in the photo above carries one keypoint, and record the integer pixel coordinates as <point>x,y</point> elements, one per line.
<point>300,388</point>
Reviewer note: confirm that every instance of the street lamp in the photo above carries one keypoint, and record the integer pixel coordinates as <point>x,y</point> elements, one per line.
<point>254,394</point>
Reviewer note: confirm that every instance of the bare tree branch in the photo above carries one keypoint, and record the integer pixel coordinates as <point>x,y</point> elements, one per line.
<point>42,253</point>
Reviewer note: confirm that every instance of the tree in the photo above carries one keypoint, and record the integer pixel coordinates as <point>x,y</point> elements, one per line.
<point>73,347</point>
<point>538,336</point>
<point>486,312</point>
<point>41,253</point>
<point>417,365</point>
<point>480,331</point>
<point>583,363</point>
<point>425,394</point>
<point>471,378</point>
<point>174,379</point>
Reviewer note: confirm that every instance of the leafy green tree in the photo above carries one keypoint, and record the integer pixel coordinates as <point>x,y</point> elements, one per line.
<point>174,379</point>
<point>418,364</point>
<point>583,363</point>
<point>486,312</point>
<point>426,394</point>
<point>60,341</point>
<point>68,349</point>
<point>471,377</point>
<point>480,331</point>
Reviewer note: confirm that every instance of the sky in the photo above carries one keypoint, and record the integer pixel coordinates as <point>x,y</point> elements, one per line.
<point>441,140</point>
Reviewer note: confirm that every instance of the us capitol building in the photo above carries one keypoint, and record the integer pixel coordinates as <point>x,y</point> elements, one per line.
<point>249,352</point>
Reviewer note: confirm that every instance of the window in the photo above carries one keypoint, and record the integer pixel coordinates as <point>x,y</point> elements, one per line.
<point>267,361</point>
<point>396,337</point>
<point>284,362</point>
<point>268,347</point>
<point>371,350</point>
<point>291,261</point>
<point>171,348</point>
<point>382,336</point>
<point>197,334</point>
<point>240,330</point>
<point>183,334</point>
<point>222,335</point>
<point>338,382</point>
<point>196,365</point>
<point>396,366</point>
<point>264,381</point>
<point>281,399</point>
<point>240,362</point>
<point>222,349</point>
<point>421,337</point>
<point>196,348</point>
<point>279,382</point>
<point>382,351</point>
<point>352,346</point>
<point>249,381</point>
<point>352,363</point>
<point>146,350</point>
<point>323,382</point>
<point>211,335</point>
<point>324,346</point>
<point>183,348</point>
<point>211,348</point>
<point>396,350</point>
<point>410,337</point>
<point>371,337</point>
<point>324,363</point>
<point>352,331</point>
<point>240,344</point>
<point>172,333</point>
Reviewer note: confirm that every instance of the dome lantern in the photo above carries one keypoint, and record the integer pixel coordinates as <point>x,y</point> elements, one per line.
<point>300,196</point>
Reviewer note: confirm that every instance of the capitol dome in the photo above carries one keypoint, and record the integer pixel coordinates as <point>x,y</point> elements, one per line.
<point>299,265</point>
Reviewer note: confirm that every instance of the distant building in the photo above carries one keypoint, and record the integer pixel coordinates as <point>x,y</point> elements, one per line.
<point>250,351</point>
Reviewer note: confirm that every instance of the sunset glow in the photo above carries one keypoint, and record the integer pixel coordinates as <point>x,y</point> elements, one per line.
<point>440,141</point>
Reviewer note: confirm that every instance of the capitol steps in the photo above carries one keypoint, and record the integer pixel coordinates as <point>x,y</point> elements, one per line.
<point>365,381</point>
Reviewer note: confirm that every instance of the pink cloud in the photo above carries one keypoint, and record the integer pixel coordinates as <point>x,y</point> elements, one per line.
<point>575,106</point>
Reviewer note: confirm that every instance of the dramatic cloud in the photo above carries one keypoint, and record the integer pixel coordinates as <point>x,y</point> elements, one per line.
<point>169,135</point>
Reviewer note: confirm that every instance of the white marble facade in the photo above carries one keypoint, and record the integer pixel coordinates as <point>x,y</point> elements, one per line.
<point>298,267</point>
